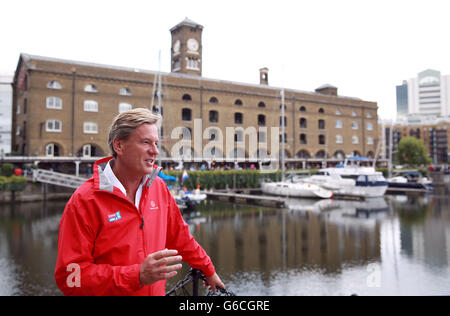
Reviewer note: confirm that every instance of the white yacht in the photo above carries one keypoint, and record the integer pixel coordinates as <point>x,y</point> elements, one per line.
<point>296,189</point>
<point>351,179</point>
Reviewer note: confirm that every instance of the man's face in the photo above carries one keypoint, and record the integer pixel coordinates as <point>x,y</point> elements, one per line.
<point>139,152</point>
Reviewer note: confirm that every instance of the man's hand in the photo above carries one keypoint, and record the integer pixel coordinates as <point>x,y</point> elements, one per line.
<point>158,266</point>
<point>214,281</point>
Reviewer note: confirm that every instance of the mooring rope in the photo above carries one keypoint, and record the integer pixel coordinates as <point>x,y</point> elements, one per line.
<point>194,276</point>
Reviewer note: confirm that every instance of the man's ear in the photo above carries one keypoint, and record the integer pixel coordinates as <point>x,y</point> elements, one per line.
<point>117,145</point>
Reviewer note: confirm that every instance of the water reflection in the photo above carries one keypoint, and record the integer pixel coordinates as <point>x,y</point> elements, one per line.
<point>28,243</point>
<point>398,245</point>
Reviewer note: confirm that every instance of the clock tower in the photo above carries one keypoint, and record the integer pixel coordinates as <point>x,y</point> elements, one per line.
<point>187,48</point>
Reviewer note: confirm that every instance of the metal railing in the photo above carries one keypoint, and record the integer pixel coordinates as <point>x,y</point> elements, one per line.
<point>56,178</point>
<point>195,276</point>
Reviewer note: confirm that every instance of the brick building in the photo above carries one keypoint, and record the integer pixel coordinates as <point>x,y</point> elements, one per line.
<point>434,132</point>
<point>64,108</point>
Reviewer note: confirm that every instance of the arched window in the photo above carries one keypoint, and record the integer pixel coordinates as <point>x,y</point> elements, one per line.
<point>303,154</point>
<point>186,97</point>
<point>124,107</point>
<point>125,91</point>
<point>302,109</point>
<point>213,100</point>
<point>186,114</point>
<point>91,88</point>
<point>303,123</point>
<point>320,154</point>
<point>339,155</point>
<point>321,110</point>
<point>238,102</point>
<point>89,150</point>
<point>54,85</point>
<point>261,105</point>
<point>52,150</point>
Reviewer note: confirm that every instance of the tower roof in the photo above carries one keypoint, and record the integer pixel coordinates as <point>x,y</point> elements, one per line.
<point>187,22</point>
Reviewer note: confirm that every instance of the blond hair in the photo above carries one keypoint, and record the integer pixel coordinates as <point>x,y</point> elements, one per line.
<point>126,122</point>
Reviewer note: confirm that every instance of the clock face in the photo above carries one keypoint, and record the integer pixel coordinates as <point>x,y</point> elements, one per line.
<point>192,44</point>
<point>176,46</point>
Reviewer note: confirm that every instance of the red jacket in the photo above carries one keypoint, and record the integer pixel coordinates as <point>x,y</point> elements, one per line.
<point>104,238</point>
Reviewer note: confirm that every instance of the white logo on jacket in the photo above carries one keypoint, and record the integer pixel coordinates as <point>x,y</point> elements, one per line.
<point>153,206</point>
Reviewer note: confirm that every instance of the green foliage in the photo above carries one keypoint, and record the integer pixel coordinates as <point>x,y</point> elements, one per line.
<point>412,151</point>
<point>7,169</point>
<point>17,183</point>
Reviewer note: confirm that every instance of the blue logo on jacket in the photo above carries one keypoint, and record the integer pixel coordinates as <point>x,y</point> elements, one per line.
<point>114,217</point>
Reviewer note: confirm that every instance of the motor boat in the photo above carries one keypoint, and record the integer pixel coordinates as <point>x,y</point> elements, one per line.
<point>295,189</point>
<point>189,199</point>
<point>412,179</point>
<point>350,180</point>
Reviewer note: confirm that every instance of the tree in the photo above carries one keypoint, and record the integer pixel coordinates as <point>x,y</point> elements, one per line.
<point>412,151</point>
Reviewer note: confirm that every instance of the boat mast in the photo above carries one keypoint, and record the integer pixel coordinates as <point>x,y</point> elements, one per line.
<point>159,108</point>
<point>282,137</point>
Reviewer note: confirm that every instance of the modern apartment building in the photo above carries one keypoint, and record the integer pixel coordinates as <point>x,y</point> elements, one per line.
<point>5,112</point>
<point>428,94</point>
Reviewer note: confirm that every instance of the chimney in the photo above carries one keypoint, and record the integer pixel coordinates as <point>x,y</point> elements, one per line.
<point>327,89</point>
<point>264,76</point>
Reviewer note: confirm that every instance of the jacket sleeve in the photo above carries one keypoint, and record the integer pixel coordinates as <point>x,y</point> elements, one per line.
<point>179,238</point>
<point>76,272</point>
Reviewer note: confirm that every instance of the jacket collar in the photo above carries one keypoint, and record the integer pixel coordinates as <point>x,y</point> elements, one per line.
<point>102,182</point>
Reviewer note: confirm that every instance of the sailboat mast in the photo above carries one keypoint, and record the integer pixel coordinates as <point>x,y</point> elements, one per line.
<point>159,108</point>
<point>282,136</point>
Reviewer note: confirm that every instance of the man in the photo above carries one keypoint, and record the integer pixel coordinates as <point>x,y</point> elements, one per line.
<point>121,232</point>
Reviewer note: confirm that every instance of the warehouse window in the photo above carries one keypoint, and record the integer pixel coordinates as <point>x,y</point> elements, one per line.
<point>303,123</point>
<point>90,106</point>
<point>213,116</point>
<point>125,91</point>
<point>91,88</point>
<point>124,107</point>
<point>54,103</point>
<point>53,126</point>
<point>186,114</point>
<point>90,128</point>
<point>238,118</point>
<point>54,85</point>
<point>261,120</point>
<point>186,97</point>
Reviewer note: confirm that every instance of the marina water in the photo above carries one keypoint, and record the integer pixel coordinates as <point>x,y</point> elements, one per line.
<point>396,245</point>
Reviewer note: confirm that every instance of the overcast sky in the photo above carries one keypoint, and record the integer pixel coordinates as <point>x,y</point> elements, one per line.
<point>365,48</point>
